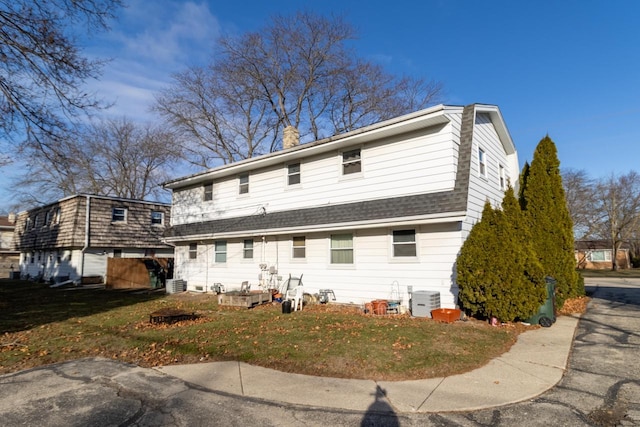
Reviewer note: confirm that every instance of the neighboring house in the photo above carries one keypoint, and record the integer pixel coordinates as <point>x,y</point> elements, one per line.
<point>76,236</point>
<point>367,214</point>
<point>596,255</point>
<point>8,256</point>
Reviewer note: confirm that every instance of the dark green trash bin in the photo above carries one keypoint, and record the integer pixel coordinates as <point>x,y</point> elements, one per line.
<point>546,315</point>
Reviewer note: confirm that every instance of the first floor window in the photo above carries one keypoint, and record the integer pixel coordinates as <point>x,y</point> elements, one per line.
<point>119,214</point>
<point>221,251</point>
<point>248,249</point>
<point>342,249</point>
<point>299,247</point>
<point>404,243</point>
<point>193,250</point>
<point>599,255</point>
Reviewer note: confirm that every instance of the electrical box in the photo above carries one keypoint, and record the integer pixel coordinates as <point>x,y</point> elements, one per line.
<point>422,302</point>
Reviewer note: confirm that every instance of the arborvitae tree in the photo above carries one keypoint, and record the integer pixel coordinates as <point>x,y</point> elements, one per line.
<point>497,274</point>
<point>524,176</point>
<point>548,219</point>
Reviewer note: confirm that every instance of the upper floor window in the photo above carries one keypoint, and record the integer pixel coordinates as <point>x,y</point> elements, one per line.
<point>28,223</point>
<point>119,214</point>
<point>404,243</point>
<point>56,215</point>
<point>243,181</point>
<point>342,249</point>
<point>48,216</point>
<point>351,162</point>
<point>503,178</point>
<point>157,218</point>
<point>36,221</point>
<point>221,251</point>
<point>299,247</point>
<point>482,162</point>
<point>247,252</point>
<point>293,174</point>
<point>193,250</point>
<point>208,192</point>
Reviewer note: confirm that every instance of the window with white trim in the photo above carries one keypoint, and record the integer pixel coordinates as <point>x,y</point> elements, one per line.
<point>600,255</point>
<point>193,250</point>
<point>482,162</point>
<point>118,214</point>
<point>243,184</point>
<point>220,251</point>
<point>342,249</point>
<point>247,252</point>
<point>293,174</point>
<point>299,247</point>
<point>157,218</point>
<point>117,253</point>
<point>351,162</point>
<point>404,243</point>
<point>56,215</point>
<point>502,177</point>
<point>207,192</point>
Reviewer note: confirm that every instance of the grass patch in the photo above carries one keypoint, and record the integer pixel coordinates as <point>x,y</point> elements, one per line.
<point>631,273</point>
<point>40,325</point>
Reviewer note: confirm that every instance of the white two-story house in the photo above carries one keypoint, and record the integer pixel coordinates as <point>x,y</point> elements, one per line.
<point>368,213</point>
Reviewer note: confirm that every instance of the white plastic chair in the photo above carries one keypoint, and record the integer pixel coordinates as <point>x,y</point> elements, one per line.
<point>296,295</point>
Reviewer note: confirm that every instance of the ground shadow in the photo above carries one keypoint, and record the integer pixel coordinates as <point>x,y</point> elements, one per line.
<point>25,305</point>
<point>380,413</point>
<point>622,294</point>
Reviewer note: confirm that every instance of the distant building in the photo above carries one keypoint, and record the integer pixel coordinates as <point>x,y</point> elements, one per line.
<point>9,257</point>
<point>596,255</point>
<point>77,236</point>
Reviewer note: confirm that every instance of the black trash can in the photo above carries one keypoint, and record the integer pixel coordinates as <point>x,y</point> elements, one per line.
<point>546,315</point>
<point>286,306</point>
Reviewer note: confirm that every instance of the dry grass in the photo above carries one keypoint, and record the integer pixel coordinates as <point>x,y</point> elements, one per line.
<point>40,326</point>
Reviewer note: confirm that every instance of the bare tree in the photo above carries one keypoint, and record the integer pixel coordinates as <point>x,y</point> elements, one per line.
<point>578,190</point>
<point>297,71</point>
<point>42,69</point>
<point>115,158</point>
<point>617,204</point>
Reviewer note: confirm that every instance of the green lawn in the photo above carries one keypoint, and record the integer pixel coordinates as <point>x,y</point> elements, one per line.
<point>40,325</point>
<point>633,272</point>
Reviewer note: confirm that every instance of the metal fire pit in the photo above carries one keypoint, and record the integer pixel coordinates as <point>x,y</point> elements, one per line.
<point>170,315</point>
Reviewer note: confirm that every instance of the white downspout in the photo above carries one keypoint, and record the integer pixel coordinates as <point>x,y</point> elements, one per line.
<point>86,235</point>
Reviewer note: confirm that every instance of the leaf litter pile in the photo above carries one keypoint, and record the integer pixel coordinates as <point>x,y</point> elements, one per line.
<point>42,326</point>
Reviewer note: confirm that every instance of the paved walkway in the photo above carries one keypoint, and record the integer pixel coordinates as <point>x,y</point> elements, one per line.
<point>533,365</point>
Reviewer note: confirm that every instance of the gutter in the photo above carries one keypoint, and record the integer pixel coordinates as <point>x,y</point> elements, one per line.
<point>86,234</point>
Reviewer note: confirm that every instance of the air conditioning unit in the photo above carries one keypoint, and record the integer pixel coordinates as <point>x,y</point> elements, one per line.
<point>422,302</point>
<point>176,285</point>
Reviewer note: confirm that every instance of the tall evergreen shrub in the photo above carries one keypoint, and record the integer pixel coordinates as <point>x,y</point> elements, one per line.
<point>547,216</point>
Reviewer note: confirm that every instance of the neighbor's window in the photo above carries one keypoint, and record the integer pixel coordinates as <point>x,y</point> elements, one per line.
<point>47,217</point>
<point>243,181</point>
<point>293,174</point>
<point>119,214</point>
<point>36,221</point>
<point>193,250</point>
<point>221,251</point>
<point>341,249</point>
<point>157,218</point>
<point>351,162</point>
<point>599,255</point>
<point>56,216</point>
<point>299,247</point>
<point>503,179</point>
<point>404,243</point>
<point>28,223</point>
<point>247,252</point>
<point>482,162</point>
<point>208,192</point>
<point>117,253</point>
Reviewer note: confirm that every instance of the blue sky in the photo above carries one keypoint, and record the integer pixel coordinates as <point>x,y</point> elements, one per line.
<point>570,69</point>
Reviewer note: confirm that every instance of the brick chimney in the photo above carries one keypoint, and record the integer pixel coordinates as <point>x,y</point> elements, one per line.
<point>290,138</point>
